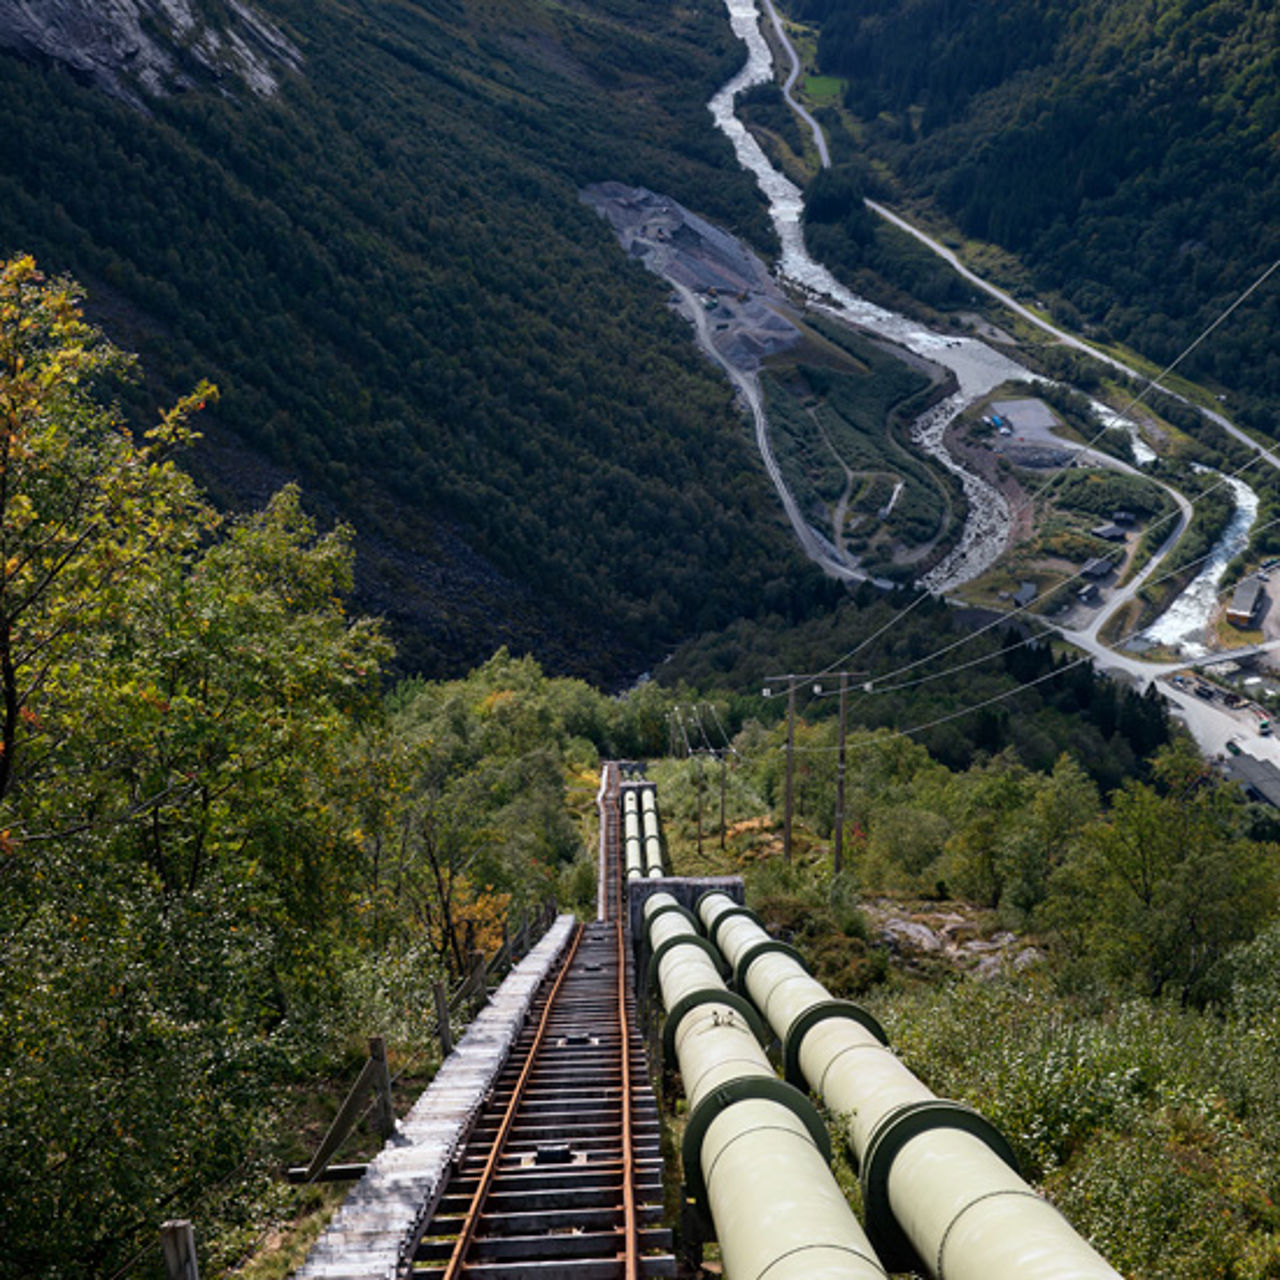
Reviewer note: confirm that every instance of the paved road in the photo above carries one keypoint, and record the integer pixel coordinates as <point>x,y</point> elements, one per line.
<point>819,138</point>
<point>1069,339</point>
<point>1210,723</point>
<point>814,545</point>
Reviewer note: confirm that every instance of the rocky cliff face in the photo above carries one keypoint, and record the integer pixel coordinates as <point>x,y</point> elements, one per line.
<point>132,48</point>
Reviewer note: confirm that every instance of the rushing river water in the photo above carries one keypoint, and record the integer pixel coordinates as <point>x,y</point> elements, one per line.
<point>1184,621</point>
<point>978,368</point>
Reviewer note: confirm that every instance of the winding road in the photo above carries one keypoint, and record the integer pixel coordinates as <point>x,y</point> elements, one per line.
<point>819,549</point>
<point>819,137</point>
<point>1211,725</point>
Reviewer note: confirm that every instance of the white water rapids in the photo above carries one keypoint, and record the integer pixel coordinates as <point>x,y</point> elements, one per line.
<point>978,368</point>
<point>1182,624</point>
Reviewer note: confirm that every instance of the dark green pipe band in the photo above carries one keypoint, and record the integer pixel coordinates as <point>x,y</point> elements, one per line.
<point>725,915</point>
<point>686,940</point>
<point>889,1137</point>
<point>709,995</point>
<point>758,949</point>
<point>771,1089</point>
<point>674,906</point>
<point>809,1019</point>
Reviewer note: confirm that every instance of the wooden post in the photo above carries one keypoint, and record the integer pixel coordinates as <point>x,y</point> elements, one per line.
<point>382,1086</point>
<point>178,1240</point>
<point>443,1029</point>
<point>373,1072</point>
<point>479,987</point>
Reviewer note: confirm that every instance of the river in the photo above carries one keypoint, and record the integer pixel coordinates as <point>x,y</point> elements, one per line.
<point>1183,623</point>
<point>978,367</point>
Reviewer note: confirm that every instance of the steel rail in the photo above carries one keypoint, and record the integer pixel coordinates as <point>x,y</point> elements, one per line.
<point>631,1237</point>
<point>453,1269</point>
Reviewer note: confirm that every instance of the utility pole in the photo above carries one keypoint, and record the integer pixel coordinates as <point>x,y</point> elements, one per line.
<point>722,761</point>
<point>837,853</point>
<point>837,844</point>
<point>791,743</point>
<point>699,783</point>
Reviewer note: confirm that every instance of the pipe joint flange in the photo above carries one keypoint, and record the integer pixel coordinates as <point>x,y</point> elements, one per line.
<point>887,1139</point>
<point>809,1019</point>
<point>674,906</point>
<point>714,928</point>
<point>685,940</point>
<point>709,995</point>
<point>754,952</point>
<point>771,1089</point>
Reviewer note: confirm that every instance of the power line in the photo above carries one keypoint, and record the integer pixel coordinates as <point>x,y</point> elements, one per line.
<point>874,687</point>
<point>1132,403</point>
<point>883,735</point>
<point>1019,610</point>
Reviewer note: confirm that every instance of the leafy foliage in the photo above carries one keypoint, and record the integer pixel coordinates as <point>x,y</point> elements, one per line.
<point>176,688</point>
<point>1151,1127</point>
<point>1110,731</point>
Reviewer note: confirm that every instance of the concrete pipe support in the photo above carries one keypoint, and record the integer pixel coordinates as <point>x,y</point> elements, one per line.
<point>755,1150</point>
<point>940,1185</point>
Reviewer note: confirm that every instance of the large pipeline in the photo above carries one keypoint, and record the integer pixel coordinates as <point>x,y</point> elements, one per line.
<point>633,856</point>
<point>940,1185</point>
<point>755,1149</point>
<point>652,838</point>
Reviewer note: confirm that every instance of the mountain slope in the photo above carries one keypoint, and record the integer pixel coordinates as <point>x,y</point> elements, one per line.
<point>387,269</point>
<point>1126,149</point>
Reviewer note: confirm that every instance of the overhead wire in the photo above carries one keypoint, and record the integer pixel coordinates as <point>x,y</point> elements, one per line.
<point>728,746</point>
<point>880,735</point>
<point>877,686</point>
<point>886,735</point>
<point>1151,383</point>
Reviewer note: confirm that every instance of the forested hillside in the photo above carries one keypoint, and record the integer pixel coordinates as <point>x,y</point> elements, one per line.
<point>1125,150</point>
<point>386,270</point>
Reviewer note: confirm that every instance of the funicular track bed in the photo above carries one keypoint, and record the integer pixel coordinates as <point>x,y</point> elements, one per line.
<point>561,1175</point>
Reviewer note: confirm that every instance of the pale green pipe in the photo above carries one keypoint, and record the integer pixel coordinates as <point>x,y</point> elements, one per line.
<point>1008,1231</point>
<point>634,858</point>
<point>652,837</point>
<point>713,1046</point>
<point>775,1205</point>
<point>778,1211</point>
<point>652,904</point>
<point>964,1210</point>
<point>861,1080</point>
<point>653,855</point>
<point>652,843</point>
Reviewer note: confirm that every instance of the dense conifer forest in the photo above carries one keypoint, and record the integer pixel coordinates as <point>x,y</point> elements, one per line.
<point>1124,151</point>
<point>388,273</point>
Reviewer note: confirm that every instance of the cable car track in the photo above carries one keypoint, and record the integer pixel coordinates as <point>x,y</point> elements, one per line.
<point>561,1175</point>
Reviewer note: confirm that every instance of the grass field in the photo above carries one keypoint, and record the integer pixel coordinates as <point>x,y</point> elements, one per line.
<point>822,91</point>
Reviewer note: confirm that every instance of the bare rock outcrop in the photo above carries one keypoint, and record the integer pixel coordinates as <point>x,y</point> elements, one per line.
<point>137,48</point>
